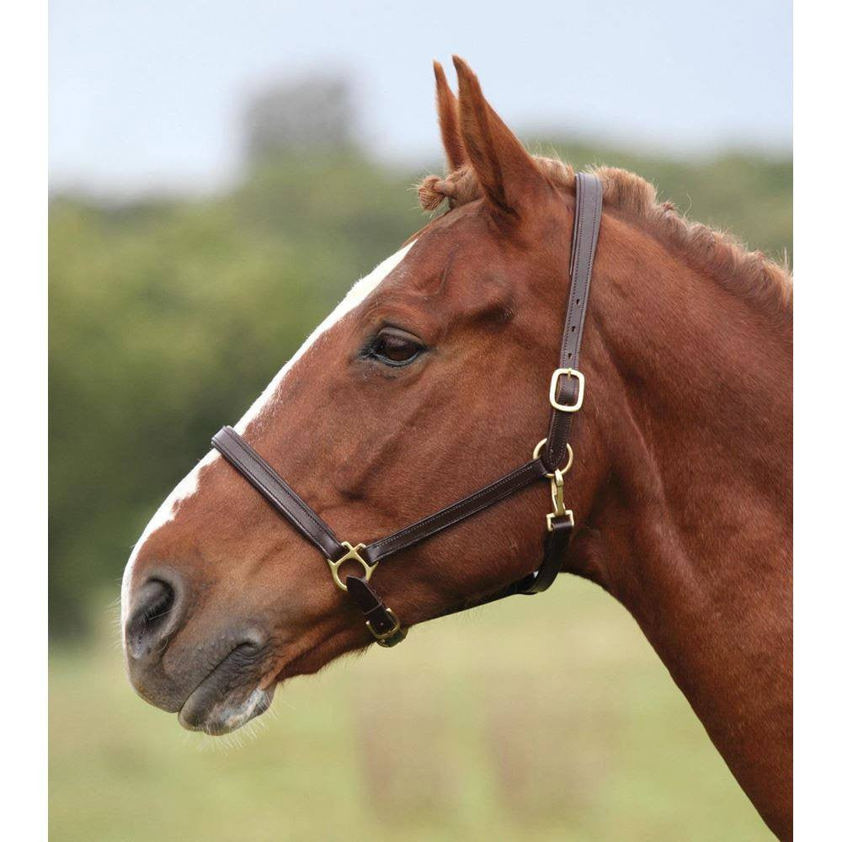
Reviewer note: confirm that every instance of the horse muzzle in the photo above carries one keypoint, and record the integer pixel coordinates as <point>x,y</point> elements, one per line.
<point>212,683</point>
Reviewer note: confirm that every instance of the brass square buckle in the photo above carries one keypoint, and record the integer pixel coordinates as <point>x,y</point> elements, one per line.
<point>552,516</point>
<point>353,554</point>
<point>389,638</point>
<point>567,372</point>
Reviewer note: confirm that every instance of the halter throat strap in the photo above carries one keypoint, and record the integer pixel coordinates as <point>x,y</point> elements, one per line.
<point>566,395</point>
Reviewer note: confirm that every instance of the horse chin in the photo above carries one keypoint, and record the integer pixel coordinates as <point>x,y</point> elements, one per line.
<point>222,702</point>
<point>225,715</point>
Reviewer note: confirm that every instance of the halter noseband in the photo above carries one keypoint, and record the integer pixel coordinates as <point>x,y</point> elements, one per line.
<point>567,391</point>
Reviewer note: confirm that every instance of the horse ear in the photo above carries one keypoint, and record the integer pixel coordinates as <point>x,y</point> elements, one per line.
<point>448,110</point>
<point>505,170</point>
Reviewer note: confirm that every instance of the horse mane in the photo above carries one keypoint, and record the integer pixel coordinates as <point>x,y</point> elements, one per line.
<point>749,274</point>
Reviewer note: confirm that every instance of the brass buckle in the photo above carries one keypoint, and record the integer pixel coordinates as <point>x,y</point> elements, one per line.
<point>567,372</point>
<point>353,554</point>
<point>388,638</point>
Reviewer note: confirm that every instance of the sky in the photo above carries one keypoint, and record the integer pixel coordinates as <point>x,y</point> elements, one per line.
<point>149,96</point>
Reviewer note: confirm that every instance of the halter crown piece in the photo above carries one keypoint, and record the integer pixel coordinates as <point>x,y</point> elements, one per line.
<point>551,459</point>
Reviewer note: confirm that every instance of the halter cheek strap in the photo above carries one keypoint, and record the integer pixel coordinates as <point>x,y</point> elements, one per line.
<point>551,460</point>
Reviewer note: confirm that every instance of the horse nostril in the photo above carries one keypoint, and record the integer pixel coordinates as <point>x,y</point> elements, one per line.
<point>152,620</point>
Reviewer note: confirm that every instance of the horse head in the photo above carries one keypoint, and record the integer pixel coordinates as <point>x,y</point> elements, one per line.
<point>427,380</point>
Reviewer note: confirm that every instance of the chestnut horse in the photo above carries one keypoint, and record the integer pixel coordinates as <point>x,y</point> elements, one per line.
<point>430,379</point>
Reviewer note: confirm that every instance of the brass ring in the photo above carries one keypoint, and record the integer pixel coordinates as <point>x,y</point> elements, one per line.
<point>536,452</point>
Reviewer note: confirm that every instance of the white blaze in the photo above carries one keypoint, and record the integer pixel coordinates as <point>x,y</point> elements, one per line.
<point>190,484</point>
<point>354,297</point>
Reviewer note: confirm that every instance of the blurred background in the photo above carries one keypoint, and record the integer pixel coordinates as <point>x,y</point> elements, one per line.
<point>220,174</point>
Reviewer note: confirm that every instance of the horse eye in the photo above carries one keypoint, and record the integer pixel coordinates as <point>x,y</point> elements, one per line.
<point>394,347</point>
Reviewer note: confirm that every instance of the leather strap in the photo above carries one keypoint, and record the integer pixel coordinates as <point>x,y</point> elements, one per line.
<point>380,620</point>
<point>485,497</point>
<point>266,480</point>
<point>556,542</point>
<point>585,233</point>
<point>569,382</point>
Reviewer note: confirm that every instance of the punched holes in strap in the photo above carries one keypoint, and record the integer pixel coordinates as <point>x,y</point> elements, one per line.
<point>567,388</point>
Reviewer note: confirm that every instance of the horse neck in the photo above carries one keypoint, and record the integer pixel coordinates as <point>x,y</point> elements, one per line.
<point>690,520</point>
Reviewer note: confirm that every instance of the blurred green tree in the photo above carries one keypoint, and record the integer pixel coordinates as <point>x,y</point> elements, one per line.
<point>307,116</point>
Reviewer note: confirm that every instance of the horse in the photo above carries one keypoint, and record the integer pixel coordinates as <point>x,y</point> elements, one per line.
<point>431,377</point>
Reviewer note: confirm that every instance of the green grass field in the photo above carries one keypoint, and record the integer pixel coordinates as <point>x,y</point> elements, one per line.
<point>537,718</point>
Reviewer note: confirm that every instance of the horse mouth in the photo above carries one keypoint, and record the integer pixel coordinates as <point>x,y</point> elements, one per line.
<point>227,698</point>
